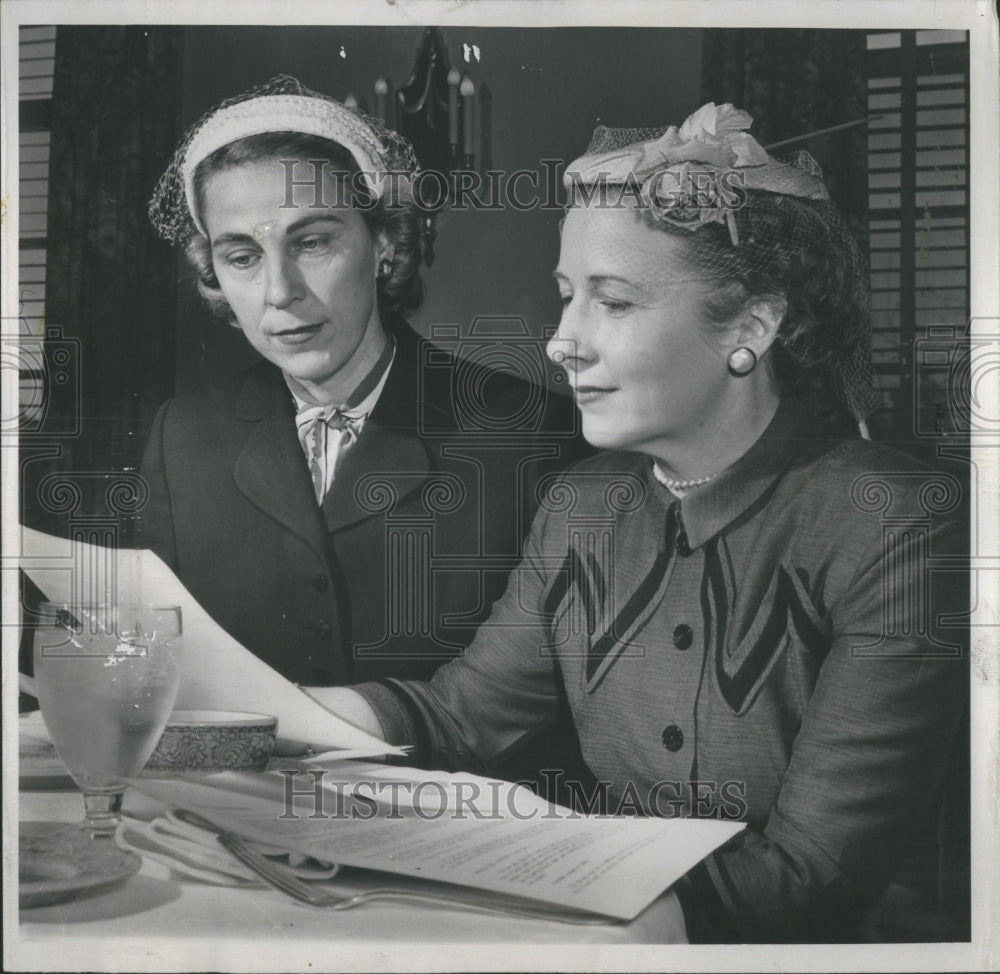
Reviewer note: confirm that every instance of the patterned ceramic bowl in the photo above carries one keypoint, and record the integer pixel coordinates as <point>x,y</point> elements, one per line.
<point>214,740</point>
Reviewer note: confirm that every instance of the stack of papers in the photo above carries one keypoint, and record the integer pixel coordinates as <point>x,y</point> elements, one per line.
<point>460,829</point>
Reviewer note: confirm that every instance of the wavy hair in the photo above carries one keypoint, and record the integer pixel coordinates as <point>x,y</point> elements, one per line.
<point>802,251</point>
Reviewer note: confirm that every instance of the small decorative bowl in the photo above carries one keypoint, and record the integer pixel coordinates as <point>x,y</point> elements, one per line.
<point>214,740</point>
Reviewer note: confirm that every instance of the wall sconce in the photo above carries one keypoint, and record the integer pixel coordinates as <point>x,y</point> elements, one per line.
<point>436,109</point>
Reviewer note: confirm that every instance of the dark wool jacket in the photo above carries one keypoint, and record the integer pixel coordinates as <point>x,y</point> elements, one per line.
<point>413,542</point>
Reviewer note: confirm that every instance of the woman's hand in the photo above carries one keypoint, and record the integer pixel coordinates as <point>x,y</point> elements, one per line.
<point>349,705</point>
<point>662,922</point>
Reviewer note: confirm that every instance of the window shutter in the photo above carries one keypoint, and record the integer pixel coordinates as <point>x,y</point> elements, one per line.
<point>918,194</point>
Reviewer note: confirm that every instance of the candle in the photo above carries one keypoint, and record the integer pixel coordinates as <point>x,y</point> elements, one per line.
<point>381,89</point>
<point>453,79</point>
<point>468,90</point>
<point>350,101</point>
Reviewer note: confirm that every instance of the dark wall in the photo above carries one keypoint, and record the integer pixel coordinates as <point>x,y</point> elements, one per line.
<point>549,88</point>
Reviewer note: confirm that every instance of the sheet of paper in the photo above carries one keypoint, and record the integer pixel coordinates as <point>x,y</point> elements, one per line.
<point>218,673</point>
<point>615,866</point>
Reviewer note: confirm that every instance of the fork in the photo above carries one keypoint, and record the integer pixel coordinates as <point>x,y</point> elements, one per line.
<point>284,880</point>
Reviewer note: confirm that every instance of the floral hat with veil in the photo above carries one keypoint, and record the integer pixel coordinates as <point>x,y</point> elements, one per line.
<point>702,174</point>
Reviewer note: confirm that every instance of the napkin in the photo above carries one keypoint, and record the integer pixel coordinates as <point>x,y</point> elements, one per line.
<point>196,853</point>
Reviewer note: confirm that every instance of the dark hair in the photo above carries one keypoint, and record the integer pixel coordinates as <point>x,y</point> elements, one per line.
<point>802,251</point>
<point>397,217</point>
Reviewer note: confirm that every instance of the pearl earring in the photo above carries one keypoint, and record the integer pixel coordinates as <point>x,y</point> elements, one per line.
<point>742,360</point>
<point>384,269</point>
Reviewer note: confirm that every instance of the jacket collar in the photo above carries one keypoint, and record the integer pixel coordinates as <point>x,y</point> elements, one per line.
<point>714,506</point>
<point>390,459</point>
<point>270,470</point>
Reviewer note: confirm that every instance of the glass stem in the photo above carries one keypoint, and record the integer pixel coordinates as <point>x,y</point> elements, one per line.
<point>104,812</point>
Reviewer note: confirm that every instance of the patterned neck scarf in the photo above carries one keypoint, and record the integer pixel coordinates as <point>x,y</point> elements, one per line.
<point>326,433</point>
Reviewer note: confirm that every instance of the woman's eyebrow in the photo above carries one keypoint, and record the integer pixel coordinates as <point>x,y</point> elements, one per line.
<point>606,278</point>
<point>599,279</point>
<point>306,221</point>
<point>234,236</point>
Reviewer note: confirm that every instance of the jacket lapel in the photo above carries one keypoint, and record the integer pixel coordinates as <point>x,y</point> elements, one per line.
<point>390,460</point>
<point>384,466</point>
<point>270,470</point>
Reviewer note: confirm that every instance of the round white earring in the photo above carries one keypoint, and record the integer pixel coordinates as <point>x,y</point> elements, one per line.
<point>742,360</point>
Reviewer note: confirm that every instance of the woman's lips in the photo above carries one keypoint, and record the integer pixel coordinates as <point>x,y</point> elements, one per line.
<point>297,336</point>
<point>589,394</point>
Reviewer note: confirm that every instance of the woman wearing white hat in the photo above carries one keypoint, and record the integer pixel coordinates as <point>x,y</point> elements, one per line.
<point>303,502</point>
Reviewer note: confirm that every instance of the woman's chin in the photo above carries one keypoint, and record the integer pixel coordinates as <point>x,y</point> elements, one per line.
<point>605,437</point>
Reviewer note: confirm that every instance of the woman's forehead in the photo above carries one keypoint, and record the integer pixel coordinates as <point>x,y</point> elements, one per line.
<point>278,191</point>
<point>617,241</point>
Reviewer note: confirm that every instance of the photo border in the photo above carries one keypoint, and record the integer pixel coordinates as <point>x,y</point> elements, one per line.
<point>140,954</point>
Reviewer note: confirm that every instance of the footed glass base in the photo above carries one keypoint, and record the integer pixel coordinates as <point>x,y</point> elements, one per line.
<point>104,812</point>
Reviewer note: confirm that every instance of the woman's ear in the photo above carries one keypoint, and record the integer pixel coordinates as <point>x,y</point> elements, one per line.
<point>758,324</point>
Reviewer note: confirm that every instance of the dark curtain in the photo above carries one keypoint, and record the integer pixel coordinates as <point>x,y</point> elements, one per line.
<point>110,281</point>
<point>795,81</point>
<point>110,301</point>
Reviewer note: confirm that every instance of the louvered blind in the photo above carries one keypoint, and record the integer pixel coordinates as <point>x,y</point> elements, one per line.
<point>37,51</point>
<point>918,221</point>
<point>37,56</point>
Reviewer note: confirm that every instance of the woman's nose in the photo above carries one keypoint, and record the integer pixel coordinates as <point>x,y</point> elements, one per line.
<point>284,283</point>
<point>567,347</point>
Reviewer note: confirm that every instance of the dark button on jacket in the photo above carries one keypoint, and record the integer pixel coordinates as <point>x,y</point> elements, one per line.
<point>683,636</point>
<point>673,738</point>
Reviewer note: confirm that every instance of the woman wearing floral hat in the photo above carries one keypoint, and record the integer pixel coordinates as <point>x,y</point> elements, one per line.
<point>736,595</point>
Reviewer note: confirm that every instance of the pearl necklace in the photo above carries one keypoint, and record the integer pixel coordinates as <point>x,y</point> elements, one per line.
<point>679,484</point>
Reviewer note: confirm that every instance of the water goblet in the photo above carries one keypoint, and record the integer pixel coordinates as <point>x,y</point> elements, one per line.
<point>106,676</point>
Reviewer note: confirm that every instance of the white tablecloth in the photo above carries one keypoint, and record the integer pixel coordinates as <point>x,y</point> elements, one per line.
<point>177,915</point>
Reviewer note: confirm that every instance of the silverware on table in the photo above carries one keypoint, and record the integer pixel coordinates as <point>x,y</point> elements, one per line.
<point>281,878</point>
<point>273,873</point>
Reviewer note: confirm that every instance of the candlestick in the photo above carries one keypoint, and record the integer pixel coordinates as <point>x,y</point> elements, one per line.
<point>381,90</point>
<point>468,91</point>
<point>453,79</point>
